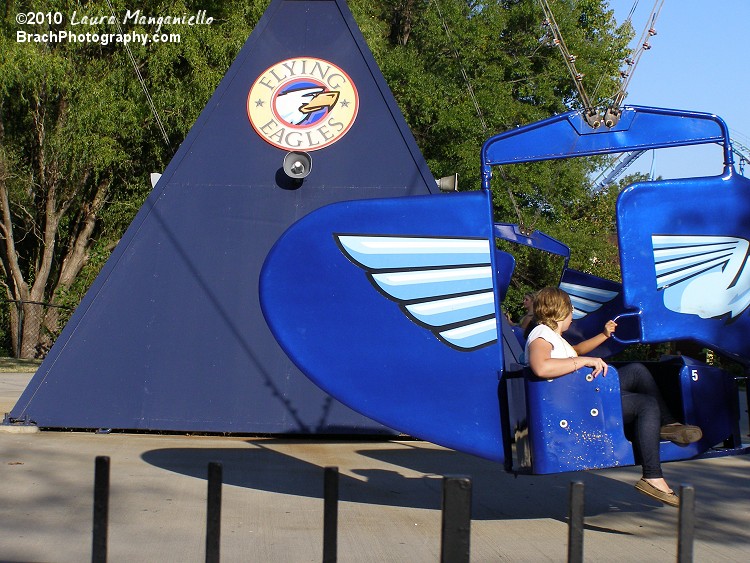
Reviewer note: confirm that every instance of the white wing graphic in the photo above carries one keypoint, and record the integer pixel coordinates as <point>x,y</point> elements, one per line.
<point>442,284</point>
<point>702,275</point>
<point>586,299</point>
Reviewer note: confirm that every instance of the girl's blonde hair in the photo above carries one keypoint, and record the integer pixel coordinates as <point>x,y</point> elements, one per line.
<point>551,306</point>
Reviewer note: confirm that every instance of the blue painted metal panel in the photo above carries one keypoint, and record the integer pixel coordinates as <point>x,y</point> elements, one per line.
<point>682,261</point>
<point>410,289</point>
<point>702,395</point>
<point>683,277</point>
<point>595,300</point>
<point>535,239</point>
<point>683,251</point>
<point>170,336</point>
<point>575,423</point>
<point>389,305</point>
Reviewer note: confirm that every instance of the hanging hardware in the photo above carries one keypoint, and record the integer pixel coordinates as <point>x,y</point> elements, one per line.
<point>612,115</point>
<point>590,113</point>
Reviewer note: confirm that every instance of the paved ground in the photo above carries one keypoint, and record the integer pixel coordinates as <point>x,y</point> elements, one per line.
<point>389,508</point>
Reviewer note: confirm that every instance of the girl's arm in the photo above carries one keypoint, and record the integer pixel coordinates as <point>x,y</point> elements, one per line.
<point>545,366</point>
<point>587,345</point>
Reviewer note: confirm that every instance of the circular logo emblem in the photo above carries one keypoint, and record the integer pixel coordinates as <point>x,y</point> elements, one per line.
<point>302,104</point>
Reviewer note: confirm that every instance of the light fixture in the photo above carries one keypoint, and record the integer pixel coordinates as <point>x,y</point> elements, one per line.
<point>297,164</point>
<point>448,183</point>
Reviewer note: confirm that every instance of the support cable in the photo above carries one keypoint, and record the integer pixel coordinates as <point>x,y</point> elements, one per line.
<point>477,108</point>
<point>141,79</point>
<point>613,113</point>
<point>461,67</point>
<point>627,20</point>
<point>632,11</point>
<point>590,113</point>
<point>741,150</point>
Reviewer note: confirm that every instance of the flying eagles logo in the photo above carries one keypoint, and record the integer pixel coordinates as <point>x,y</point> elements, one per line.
<point>302,104</point>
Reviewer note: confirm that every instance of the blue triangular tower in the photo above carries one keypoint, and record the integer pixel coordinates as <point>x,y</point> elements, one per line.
<point>171,336</point>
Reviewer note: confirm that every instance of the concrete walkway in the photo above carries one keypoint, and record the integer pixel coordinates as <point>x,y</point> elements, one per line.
<point>389,510</point>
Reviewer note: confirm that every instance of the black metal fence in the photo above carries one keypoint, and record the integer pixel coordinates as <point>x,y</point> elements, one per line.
<point>456,517</point>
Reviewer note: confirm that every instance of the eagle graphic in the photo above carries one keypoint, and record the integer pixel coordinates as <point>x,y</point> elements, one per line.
<point>295,106</point>
<point>703,275</point>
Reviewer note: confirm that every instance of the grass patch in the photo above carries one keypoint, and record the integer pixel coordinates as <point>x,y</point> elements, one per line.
<point>15,365</point>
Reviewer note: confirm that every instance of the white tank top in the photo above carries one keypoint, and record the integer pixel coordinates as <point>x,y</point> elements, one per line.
<point>560,347</point>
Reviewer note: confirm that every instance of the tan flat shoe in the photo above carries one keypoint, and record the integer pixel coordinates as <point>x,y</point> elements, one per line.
<point>648,489</point>
<point>680,433</point>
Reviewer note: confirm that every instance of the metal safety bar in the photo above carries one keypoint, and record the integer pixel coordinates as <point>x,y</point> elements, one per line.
<point>568,136</point>
<point>637,315</point>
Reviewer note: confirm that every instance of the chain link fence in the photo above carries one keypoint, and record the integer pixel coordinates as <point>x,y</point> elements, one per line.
<point>29,328</point>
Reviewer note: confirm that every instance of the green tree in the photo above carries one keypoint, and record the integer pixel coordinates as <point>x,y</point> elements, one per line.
<point>78,140</point>
<point>463,70</point>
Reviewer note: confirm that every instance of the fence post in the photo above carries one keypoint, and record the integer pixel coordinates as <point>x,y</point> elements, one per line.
<point>686,524</point>
<point>575,523</point>
<point>101,510</point>
<point>330,514</point>
<point>456,526</point>
<point>19,328</point>
<point>213,512</point>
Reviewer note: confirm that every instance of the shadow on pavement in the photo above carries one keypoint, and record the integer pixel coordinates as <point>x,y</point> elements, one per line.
<point>497,495</point>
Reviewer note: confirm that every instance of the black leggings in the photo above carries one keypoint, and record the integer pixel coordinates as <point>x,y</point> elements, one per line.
<point>643,404</point>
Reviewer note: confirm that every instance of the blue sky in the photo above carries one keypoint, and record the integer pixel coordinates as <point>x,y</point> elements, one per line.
<point>699,61</point>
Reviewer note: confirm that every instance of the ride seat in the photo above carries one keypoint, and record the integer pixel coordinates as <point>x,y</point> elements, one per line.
<point>574,423</point>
